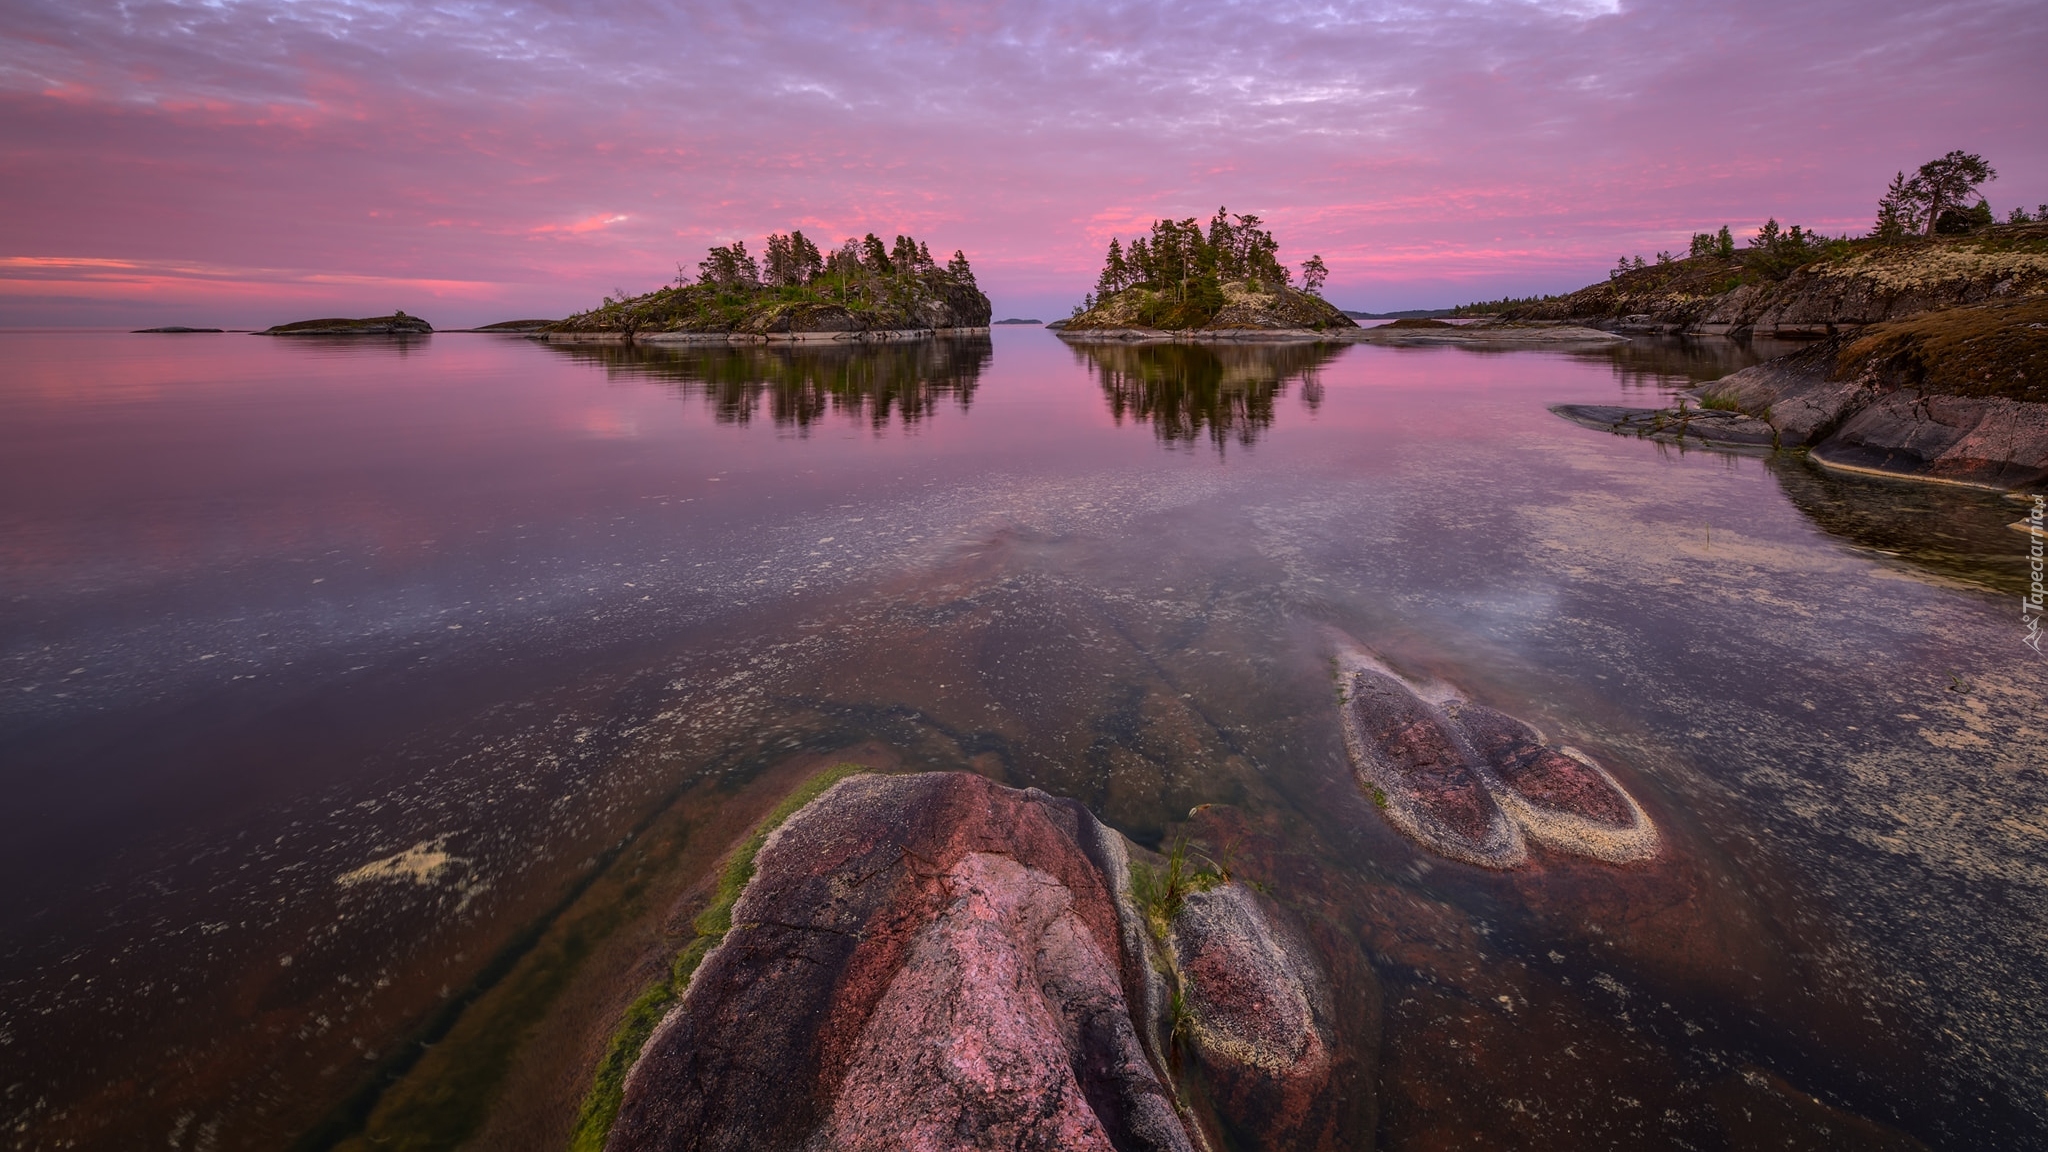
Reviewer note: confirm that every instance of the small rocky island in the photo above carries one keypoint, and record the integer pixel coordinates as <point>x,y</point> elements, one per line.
<point>396,324</point>
<point>863,290</point>
<point>1180,282</point>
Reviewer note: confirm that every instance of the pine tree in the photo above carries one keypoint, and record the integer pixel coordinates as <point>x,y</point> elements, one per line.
<point>1724,243</point>
<point>1313,273</point>
<point>804,256</point>
<point>959,270</point>
<point>1114,272</point>
<point>1946,183</point>
<point>874,257</point>
<point>781,262</point>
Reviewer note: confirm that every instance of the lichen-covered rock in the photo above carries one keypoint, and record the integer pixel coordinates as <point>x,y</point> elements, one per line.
<point>926,961</point>
<point>1862,283</point>
<point>1422,775</point>
<point>1260,1020</point>
<point>1559,796</point>
<point>1469,782</point>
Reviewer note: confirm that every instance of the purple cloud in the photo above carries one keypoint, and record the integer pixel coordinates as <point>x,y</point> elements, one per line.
<point>251,161</point>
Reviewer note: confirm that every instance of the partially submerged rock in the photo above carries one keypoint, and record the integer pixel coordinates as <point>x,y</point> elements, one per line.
<point>1470,783</point>
<point>1260,1020</point>
<point>938,962</point>
<point>1705,426</point>
<point>1425,779</point>
<point>396,324</point>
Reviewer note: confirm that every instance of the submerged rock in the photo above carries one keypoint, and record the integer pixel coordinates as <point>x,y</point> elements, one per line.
<point>1423,776</point>
<point>1260,1020</point>
<point>1559,796</point>
<point>1469,782</point>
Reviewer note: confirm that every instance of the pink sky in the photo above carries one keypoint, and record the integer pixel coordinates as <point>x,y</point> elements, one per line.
<point>246,162</point>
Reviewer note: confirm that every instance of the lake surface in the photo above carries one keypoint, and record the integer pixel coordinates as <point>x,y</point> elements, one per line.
<point>328,667</point>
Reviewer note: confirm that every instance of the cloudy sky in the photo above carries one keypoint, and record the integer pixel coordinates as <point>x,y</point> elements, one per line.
<point>251,161</point>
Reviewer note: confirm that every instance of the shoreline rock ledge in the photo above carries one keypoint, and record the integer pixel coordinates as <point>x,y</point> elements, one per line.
<point>935,961</point>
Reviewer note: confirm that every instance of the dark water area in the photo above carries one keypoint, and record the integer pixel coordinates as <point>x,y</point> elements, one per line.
<point>328,668</point>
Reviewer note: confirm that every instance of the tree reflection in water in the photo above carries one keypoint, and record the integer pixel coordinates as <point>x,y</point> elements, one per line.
<point>1188,390</point>
<point>799,384</point>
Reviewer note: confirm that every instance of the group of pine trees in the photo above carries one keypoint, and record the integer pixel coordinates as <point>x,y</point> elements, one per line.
<point>792,260</point>
<point>1932,200</point>
<point>1178,258</point>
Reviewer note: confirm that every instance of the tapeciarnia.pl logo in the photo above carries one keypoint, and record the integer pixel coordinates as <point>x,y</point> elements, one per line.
<point>2032,604</point>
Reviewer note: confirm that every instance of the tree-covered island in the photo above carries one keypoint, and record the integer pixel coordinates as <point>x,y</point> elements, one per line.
<point>862,290</point>
<point>1182,282</point>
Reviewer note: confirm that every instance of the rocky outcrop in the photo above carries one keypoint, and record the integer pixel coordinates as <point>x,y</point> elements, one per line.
<point>938,962</point>
<point>1849,285</point>
<point>1475,785</point>
<point>396,324</point>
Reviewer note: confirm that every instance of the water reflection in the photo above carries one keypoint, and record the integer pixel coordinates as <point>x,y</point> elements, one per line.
<point>1682,361</point>
<point>1186,391</point>
<point>1959,533</point>
<point>799,384</point>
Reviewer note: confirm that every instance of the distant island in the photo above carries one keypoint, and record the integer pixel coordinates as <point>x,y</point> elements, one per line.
<point>175,328</point>
<point>1180,282</point>
<point>517,326</point>
<point>396,324</point>
<point>1016,321</point>
<point>862,290</point>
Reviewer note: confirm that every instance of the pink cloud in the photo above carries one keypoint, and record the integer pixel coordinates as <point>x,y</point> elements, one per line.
<point>546,156</point>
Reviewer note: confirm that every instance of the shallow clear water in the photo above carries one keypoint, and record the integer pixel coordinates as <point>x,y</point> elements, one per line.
<point>326,667</point>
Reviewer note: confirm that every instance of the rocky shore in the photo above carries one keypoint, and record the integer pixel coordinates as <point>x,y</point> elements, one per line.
<point>1959,395</point>
<point>935,961</point>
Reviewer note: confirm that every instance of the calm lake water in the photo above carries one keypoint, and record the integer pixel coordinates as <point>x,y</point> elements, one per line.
<point>326,668</point>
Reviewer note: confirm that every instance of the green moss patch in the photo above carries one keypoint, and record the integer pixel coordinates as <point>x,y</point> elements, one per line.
<point>1994,350</point>
<point>607,1092</point>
